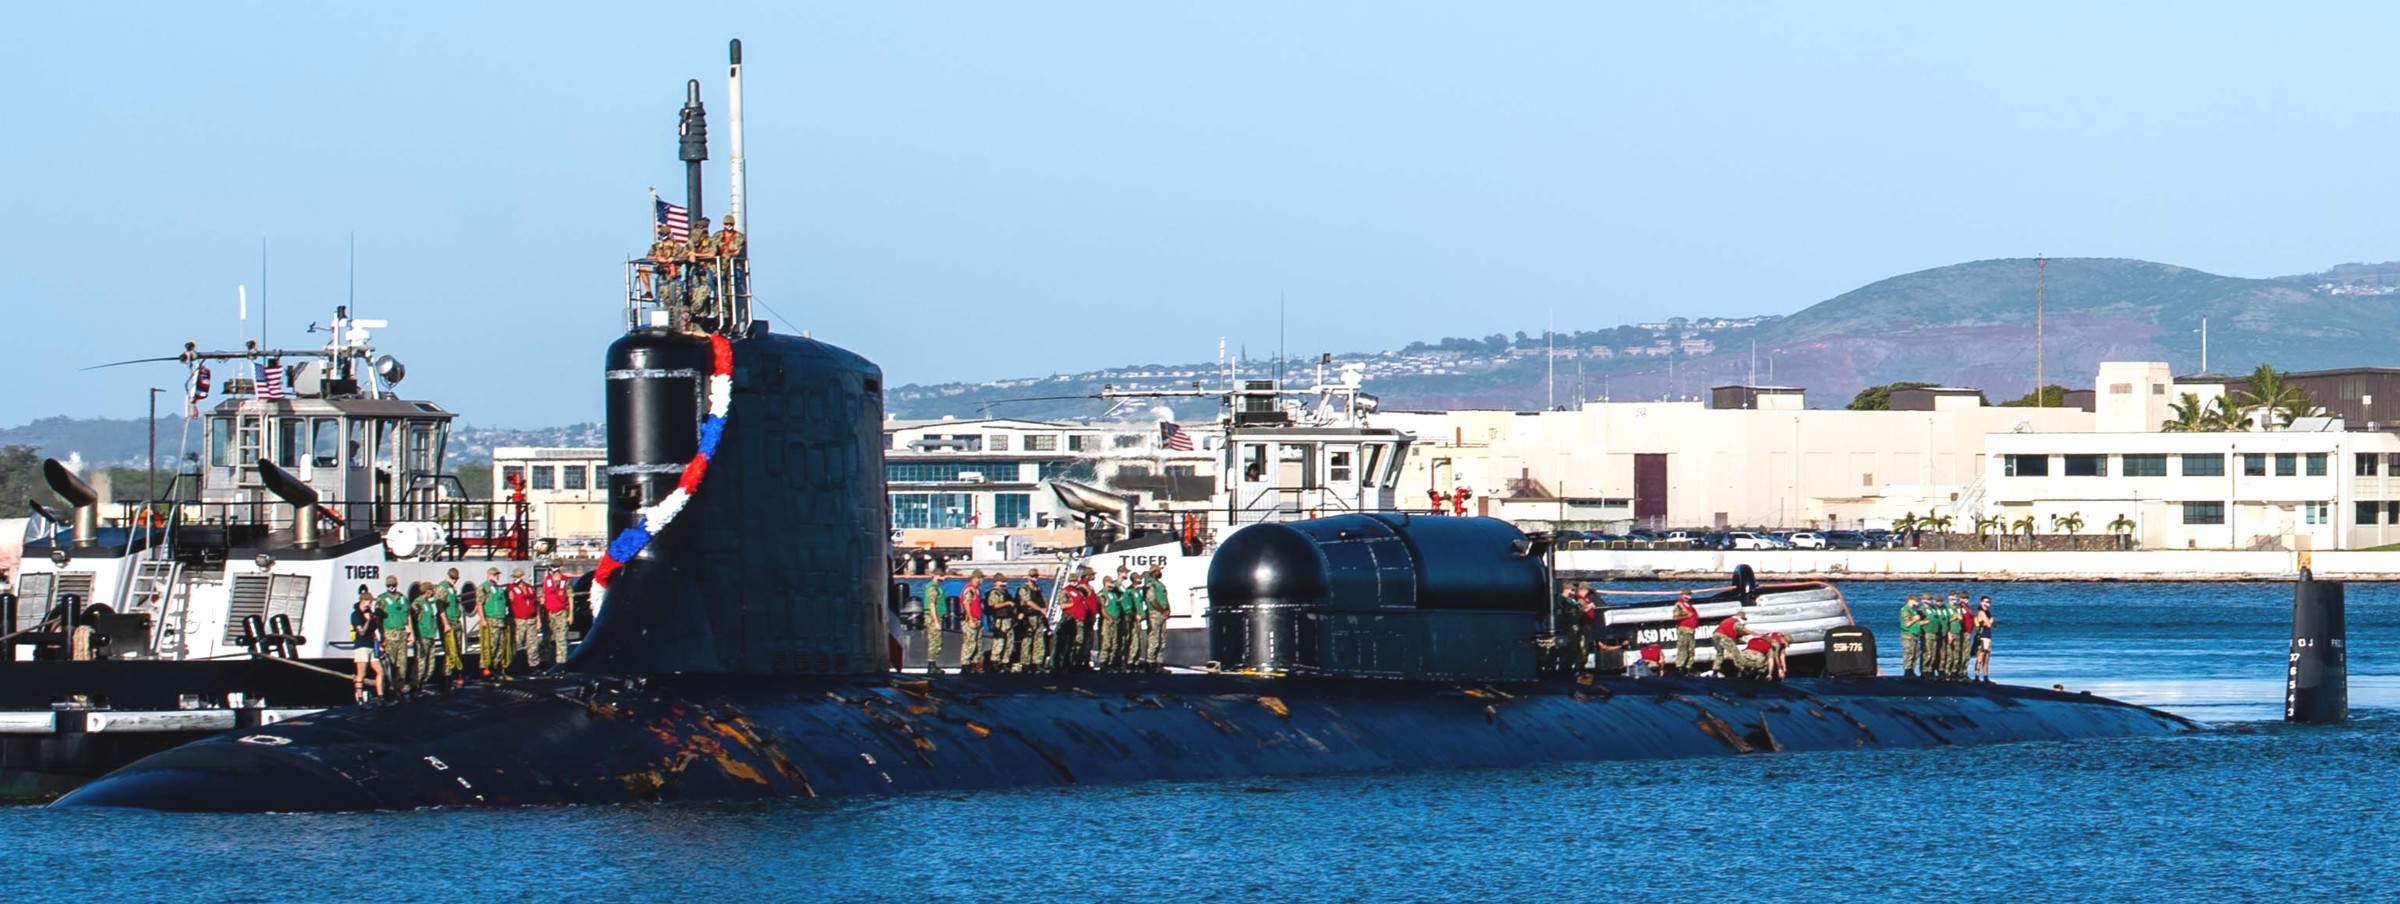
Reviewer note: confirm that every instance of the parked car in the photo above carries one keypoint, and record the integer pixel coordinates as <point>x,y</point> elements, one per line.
<point>1807,539</point>
<point>1846,539</point>
<point>1742,539</point>
<point>1879,538</point>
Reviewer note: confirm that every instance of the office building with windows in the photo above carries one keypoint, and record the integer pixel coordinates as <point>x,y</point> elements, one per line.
<point>2315,484</point>
<point>984,475</point>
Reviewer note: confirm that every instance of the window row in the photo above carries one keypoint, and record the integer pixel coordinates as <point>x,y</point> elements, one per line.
<point>548,477</point>
<point>2310,512</point>
<point>2203,464</point>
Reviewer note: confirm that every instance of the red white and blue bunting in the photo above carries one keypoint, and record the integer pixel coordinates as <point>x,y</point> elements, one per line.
<point>655,518</point>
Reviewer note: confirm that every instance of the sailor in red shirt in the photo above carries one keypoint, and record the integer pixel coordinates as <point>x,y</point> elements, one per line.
<point>1652,660</point>
<point>1729,634</point>
<point>558,593</point>
<point>1687,624</point>
<point>524,618</point>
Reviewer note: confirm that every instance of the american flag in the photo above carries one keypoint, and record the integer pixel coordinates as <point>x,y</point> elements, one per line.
<point>270,381</point>
<point>1173,438</point>
<point>677,220</point>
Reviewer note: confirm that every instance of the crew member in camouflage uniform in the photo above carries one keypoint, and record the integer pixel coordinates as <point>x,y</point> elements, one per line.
<point>454,627</point>
<point>1912,637</point>
<point>666,267</point>
<point>1001,608</point>
<point>1959,621</point>
<point>1104,638</point>
<point>1154,620</point>
<point>970,601</point>
<point>1033,623</point>
<point>396,642</point>
<point>524,619</point>
<point>427,645</point>
<point>492,629</point>
<point>704,269</point>
<point>936,609</point>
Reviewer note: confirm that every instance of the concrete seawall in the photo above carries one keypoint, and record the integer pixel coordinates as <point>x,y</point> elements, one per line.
<point>1983,564</point>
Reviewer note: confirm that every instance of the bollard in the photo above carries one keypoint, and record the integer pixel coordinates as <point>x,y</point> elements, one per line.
<point>2316,684</point>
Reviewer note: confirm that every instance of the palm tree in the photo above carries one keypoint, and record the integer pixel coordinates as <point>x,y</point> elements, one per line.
<point>1985,527</point>
<point>2123,528</point>
<point>2223,417</point>
<point>1908,525</point>
<point>2024,525</point>
<point>1940,525</point>
<point>2270,392</point>
<point>2070,524</point>
<point>2191,416</point>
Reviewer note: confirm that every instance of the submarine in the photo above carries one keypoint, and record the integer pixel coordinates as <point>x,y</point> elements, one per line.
<point>739,649</point>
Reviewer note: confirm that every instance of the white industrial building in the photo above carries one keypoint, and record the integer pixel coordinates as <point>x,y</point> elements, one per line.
<point>2313,485</point>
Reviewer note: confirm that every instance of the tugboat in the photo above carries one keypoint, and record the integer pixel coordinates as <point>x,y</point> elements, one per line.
<point>225,602</point>
<point>739,650</point>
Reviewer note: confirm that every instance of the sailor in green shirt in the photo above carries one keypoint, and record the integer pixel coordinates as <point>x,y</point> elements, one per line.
<point>492,631</point>
<point>1127,609</point>
<point>936,608</point>
<point>454,626</point>
<point>396,642</point>
<point>428,616</point>
<point>1954,639</point>
<point>1912,637</point>
<point>1154,620</point>
<point>1112,601</point>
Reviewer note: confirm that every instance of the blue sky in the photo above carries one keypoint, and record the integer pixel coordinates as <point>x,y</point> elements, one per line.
<point>973,190</point>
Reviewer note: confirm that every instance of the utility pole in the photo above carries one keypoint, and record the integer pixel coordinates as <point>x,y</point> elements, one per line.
<point>150,477</point>
<point>2041,267</point>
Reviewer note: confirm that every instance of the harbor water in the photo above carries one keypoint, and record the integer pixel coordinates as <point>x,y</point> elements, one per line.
<point>2250,809</point>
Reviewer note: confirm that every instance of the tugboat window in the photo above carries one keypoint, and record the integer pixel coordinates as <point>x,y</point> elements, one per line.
<point>1337,465</point>
<point>291,436</point>
<point>1254,461</point>
<point>220,438</point>
<point>1374,464</point>
<point>326,451</point>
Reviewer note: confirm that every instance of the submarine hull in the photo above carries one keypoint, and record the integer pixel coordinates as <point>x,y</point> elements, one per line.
<point>579,740</point>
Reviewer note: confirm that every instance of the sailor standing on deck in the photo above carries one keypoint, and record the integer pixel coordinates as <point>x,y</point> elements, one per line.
<point>1962,651</point>
<point>1033,623</point>
<point>558,595</point>
<point>454,629</point>
<point>492,625</point>
<point>970,655</point>
<point>1912,636</point>
<point>1001,608</point>
<point>1112,601</point>
<point>1687,624</point>
<point>524,619</point>
<point>1154,619</point>
<point>935,606</point>
<point>395,632</point>
<point>426,645</point>
<point>1945,632</point>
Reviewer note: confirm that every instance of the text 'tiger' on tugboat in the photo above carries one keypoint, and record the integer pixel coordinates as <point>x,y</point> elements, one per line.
<point>739,647</point>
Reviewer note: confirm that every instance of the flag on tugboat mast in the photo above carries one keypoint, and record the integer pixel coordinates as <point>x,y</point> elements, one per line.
<point>270,381</point>
<point>1172,437</point>
<point>195,390</point>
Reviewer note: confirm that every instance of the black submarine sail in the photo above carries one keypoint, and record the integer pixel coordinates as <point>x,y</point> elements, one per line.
<point>738,650</point>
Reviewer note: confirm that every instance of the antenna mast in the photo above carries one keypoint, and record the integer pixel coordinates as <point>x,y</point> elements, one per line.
<point>734,209</point>
<point>2041,270</point>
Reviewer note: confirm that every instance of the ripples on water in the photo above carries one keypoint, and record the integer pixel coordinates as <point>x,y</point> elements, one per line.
<point>2254,809</point>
